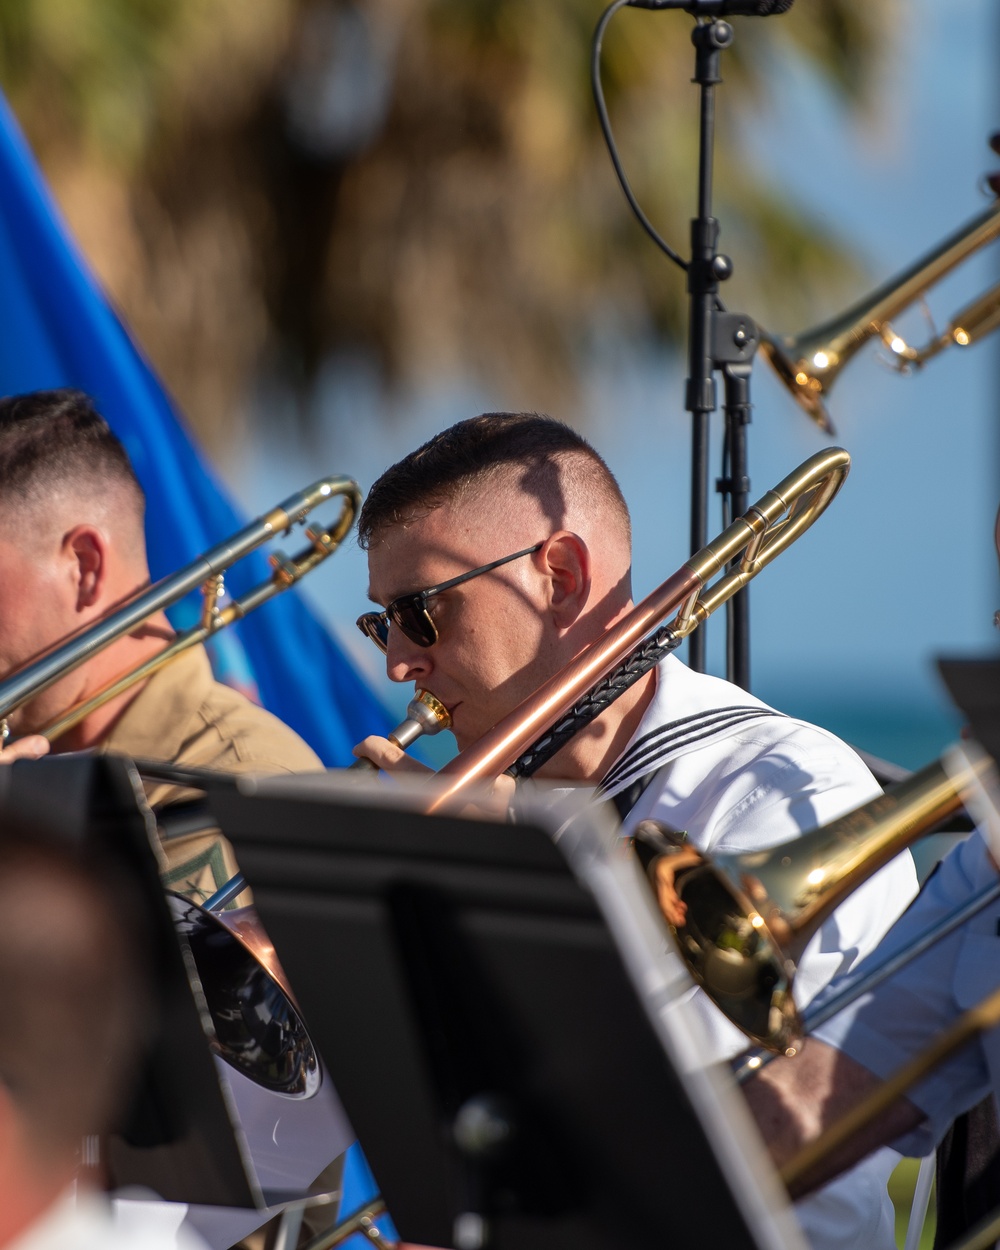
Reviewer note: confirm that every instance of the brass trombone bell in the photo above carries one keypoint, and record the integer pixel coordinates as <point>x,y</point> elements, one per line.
<point>741,922</point>
<point>810,364</point>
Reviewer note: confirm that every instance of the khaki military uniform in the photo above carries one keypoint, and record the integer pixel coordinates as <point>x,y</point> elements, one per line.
<point>184,716</point>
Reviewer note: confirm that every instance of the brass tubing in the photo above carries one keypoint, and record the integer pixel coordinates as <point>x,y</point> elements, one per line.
<point>748,917</point>
<point>856,985</point>
<point>810,363</point>
<point>985,1015</point>
<point>866,839</point>
<point>81,710</point>
<point>967,327</point>
<point>204,572</point>
<point>499,748</point>
<point>758,537</point>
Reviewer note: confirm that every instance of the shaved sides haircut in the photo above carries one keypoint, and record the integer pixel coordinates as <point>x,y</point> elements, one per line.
<point>538,455</point>
<point>52,441</point>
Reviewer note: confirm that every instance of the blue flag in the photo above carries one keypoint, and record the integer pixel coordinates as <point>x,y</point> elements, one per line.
<point>59,330</point>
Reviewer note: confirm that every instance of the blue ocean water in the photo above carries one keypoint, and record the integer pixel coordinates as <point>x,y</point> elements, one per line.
<point>895,727</point>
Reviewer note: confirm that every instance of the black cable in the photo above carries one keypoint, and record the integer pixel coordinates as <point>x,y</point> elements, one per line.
<point>602,114</point>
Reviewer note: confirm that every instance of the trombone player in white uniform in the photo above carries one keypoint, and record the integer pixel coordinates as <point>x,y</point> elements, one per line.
<point>496,553</point>
<point>847,1059</point>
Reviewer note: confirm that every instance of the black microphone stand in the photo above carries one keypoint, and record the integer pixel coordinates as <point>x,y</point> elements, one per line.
<point>717,341</point>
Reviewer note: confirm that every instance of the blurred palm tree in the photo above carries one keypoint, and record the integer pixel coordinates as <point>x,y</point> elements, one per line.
<point>261,186</point>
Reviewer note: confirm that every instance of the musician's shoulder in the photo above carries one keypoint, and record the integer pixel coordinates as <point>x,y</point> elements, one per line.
<point>241,735</point>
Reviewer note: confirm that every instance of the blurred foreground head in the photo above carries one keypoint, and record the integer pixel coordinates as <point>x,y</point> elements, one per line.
<point>72,994</point>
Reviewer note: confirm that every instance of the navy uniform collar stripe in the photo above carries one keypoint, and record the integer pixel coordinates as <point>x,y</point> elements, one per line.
<point>654,754</point>
<point>663,734</point>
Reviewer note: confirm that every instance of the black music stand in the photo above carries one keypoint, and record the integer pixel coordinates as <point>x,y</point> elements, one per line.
<point>477,1006</point>
<point>968,1157</point>
<point>179,1139</point>
<point>974,685</point>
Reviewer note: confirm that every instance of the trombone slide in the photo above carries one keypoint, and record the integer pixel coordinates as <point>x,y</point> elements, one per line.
<point>752,541</point>
<point>205,572</point>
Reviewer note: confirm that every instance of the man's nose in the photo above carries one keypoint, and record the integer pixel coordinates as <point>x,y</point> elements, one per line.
<point>404,659</point>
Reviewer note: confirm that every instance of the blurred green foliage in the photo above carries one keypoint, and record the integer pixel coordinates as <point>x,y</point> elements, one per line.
<point>262,185</point>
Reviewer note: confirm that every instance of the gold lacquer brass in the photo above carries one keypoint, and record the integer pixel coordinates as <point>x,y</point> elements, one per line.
<point>741,922</point>
<point>810,363</point>
<point>207,573</point>
<point>738,554</point>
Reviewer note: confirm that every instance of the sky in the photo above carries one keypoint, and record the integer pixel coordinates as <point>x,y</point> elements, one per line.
<point>845,626</point>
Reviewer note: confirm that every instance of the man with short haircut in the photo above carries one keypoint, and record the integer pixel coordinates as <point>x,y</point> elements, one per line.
<point>498,551</point>
<point>72,548</point>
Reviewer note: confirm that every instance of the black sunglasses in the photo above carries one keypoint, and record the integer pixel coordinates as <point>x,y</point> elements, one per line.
<point>409,612</point>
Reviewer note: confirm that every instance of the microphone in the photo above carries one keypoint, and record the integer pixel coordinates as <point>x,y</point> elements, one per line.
<point>718,8</point>
<point>425,714</point>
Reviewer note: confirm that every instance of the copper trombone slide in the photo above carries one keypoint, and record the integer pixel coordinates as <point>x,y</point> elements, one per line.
<point>750,543</point>
<point>205,572</point>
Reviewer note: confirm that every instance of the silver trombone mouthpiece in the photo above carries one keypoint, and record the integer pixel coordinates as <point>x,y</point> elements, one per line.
<point>425,714</point>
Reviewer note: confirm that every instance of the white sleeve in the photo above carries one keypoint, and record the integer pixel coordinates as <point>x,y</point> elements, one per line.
<point>797,784</point>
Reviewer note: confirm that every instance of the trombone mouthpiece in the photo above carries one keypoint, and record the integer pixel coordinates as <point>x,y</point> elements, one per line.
<point>425,714</point>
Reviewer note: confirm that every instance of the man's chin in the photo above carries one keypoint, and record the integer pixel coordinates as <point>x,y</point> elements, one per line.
<point>465,737</point>
<point>466,734</point>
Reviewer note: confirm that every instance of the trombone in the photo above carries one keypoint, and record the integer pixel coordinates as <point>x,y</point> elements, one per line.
<point>206,572</point>
<point>746,918</point>
<point>810,364</point>
<point>523,740</point>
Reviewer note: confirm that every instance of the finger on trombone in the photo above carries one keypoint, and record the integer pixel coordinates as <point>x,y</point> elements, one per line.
<point>388,757</point>
<point>32,747</point>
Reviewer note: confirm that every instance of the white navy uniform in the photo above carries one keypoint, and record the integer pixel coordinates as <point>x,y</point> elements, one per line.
<point>901,1017</point>
<point>86,1221</point>
<point>738,776</point>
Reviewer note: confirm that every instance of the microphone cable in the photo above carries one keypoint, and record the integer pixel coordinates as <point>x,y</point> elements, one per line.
<point>605,121</point>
